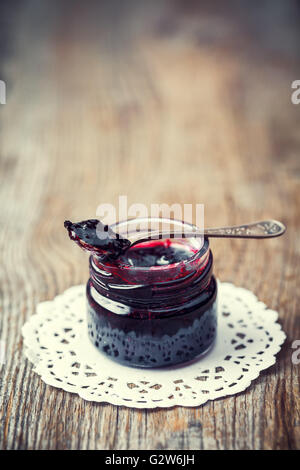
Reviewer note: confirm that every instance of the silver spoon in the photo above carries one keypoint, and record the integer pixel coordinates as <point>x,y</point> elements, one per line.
<point>262,229</point>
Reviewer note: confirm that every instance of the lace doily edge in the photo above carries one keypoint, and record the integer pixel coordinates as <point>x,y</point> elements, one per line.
<point>119,401</point>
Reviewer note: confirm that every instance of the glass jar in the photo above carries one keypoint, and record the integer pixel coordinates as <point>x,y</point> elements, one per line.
<point>153,315</point>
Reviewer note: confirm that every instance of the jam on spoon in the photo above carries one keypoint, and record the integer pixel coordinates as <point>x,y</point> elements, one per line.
<point>94,236</point>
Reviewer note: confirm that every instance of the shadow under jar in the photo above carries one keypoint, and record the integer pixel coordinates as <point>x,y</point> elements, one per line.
<point>156,305</point>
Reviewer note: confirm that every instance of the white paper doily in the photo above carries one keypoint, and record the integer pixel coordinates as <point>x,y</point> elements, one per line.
<point>248,338</point>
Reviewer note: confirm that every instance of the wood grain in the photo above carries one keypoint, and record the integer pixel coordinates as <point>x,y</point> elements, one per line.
<point>169,102</point>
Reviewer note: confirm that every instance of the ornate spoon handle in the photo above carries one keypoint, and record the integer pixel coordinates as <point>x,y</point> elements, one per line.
<point>262,229</point>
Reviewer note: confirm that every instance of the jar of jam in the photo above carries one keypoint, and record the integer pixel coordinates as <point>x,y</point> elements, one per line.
<point>156,304</point>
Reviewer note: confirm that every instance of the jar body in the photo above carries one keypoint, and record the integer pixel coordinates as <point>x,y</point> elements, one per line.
<point>171,338</point>
<point>154,315</point>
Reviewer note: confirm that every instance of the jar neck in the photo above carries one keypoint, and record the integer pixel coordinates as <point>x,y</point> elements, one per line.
<point>143,290</point>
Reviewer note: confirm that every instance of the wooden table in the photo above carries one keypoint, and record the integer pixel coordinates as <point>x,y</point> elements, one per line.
<point>186,102</point>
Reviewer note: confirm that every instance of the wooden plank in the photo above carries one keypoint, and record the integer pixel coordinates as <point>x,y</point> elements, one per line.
<point>161,103</point>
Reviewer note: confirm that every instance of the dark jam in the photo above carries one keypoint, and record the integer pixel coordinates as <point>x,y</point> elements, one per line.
<point>156,253</point>
<point>92,235</point>
<point>155,304</point>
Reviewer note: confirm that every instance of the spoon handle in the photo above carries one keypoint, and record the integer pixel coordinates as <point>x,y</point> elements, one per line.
<point>262,229</point>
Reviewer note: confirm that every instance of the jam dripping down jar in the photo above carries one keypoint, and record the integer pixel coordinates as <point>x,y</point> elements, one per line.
<point>154,306</point>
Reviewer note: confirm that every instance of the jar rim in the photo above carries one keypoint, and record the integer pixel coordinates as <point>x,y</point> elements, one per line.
<point>202,251</point>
